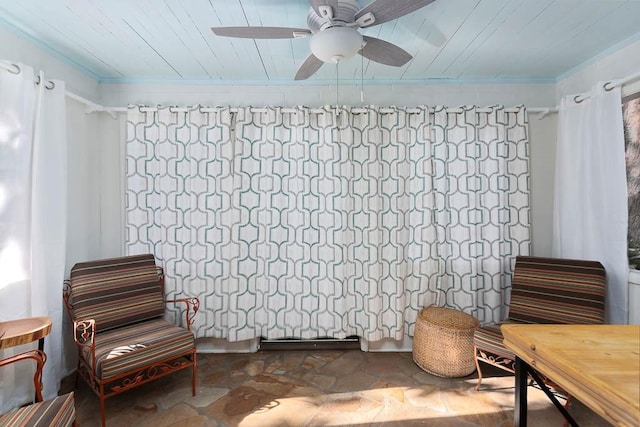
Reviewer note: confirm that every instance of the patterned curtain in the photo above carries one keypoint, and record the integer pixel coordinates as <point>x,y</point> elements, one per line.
<point>311,223</point>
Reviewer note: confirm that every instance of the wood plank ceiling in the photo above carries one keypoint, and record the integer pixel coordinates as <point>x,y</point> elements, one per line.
<point>463,40</point>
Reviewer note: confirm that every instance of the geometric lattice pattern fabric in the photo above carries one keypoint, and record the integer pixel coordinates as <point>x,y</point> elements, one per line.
<point>322,222</point>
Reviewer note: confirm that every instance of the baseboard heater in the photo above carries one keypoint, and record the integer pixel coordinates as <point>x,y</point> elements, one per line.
<point>323,343</point>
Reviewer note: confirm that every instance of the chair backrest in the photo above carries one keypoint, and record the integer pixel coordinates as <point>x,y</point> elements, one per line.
<point>117,291</point>
<point>555,290</point>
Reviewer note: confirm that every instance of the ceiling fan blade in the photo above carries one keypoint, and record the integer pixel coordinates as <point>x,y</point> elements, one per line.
<point>384,10</point>
<point>384,52</point>
<point>260,32</point>
<point>308,67</point>
<point>321,11</point>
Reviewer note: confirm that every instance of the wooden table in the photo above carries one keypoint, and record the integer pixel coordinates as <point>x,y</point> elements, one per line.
<point>24,331</point>
<point>597,364</point>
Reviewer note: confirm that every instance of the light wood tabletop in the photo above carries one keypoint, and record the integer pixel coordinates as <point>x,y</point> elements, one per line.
<point>23,331</point>
<point>597,364</point>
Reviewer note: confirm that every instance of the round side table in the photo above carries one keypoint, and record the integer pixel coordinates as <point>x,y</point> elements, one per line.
<point>24,331</point>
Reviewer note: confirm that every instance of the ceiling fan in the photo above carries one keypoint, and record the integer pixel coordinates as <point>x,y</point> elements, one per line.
<point>333,27</point>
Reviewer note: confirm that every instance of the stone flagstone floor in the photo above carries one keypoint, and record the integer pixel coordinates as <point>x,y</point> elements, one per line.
<point>320,388</point>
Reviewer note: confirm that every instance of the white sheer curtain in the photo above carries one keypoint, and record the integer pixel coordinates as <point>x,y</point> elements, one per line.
<point>590,200</point>
<point>311,222</point>
<point>32,219</point>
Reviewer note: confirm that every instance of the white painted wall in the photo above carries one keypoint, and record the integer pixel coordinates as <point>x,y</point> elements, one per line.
<point>95,185</point>
<point>84,209</point>
<point>542,134</point>
<point>634,297</point>
<point>111,181</point>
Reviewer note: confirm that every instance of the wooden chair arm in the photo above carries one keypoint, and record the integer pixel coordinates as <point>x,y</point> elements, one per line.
<point>40,358</point>
<point>192,302</point>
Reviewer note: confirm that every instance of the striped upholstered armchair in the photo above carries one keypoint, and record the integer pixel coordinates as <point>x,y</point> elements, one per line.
<point>544,290</point>
<point>117,307</point>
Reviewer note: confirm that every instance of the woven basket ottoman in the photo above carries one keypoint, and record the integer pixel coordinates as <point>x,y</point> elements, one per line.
<point>443,342</point>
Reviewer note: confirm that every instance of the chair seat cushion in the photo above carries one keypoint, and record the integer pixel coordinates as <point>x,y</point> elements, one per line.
<point>489,338</point>
<point>56,412</point>
<point>138,346</point>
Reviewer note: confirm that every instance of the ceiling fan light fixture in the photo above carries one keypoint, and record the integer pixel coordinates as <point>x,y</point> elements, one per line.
<point>335,44</point>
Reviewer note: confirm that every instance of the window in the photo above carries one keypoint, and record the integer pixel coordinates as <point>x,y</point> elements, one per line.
<point>631,119</point>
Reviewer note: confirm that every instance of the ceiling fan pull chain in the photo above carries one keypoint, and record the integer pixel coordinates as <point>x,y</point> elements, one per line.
<point>337,89</point>
<point>362,76</point>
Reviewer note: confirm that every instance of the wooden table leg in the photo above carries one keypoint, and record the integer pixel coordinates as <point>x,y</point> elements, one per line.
<point>520,408</point>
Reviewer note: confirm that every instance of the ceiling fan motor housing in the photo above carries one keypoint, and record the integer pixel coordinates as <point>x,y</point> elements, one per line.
<point>342,15</point>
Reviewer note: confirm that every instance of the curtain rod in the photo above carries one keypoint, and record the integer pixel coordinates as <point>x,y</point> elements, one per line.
<point>355,110</point>
<point>92,107</point>
<point>12,68</point>
<point>607,86</point>
<point>15,69</point>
